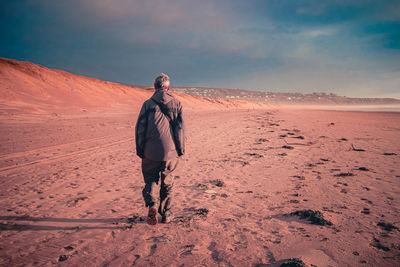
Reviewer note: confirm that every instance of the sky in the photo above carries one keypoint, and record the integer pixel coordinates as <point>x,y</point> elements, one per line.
<point>346,47</point>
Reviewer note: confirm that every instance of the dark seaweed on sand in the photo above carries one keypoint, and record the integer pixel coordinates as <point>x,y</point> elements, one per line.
<point>254,155</point>
<point>202,212</point>
<point>192,213</point>
<point>217,182</point>
<point>378,245</point>
<point>293,262</point>
<point>344,174</point>
<point>357,149</point>
<point>314,216</point>
<point>63,258</point>
<point>387,226</point>
<point>69,248</point>
<point>389,154</point>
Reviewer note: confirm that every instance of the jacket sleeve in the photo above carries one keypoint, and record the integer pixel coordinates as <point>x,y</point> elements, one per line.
<point>179,132</point>
<point>140,131</point>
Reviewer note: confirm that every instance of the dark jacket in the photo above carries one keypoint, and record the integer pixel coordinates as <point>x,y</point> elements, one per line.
<point>157,138</point>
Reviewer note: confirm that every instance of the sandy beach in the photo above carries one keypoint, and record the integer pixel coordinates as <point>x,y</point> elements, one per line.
<point>290,146</point>
<point>255,188</point>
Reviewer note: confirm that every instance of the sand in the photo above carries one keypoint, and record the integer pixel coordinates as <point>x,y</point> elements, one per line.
<point>71,190</point>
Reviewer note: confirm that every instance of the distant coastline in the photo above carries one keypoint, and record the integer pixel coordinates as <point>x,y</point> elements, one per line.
<point>316,98</point>
<point>357,108</point>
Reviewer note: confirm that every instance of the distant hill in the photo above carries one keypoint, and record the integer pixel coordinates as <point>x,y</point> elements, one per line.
<point>283,98</point>
<point>26,87</point>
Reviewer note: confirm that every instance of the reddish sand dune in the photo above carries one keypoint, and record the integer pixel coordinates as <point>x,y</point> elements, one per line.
<point>30,88</point>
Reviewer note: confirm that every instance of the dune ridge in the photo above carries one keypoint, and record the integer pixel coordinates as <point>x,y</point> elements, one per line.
<point>26,87</point>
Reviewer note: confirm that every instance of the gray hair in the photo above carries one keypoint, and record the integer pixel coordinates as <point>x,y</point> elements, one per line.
<point>161,82</point>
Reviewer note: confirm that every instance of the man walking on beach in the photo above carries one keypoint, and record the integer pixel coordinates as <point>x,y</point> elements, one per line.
<point>160,142</point>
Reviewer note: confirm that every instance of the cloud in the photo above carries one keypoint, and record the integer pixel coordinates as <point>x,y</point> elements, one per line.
<point>312,33</point>
<point>185,23</point>
<point>288,44</point>
<point>196,16</point>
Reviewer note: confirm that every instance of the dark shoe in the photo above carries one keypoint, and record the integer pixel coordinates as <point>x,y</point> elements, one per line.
<point>151,217</point>
<point>167,218</point>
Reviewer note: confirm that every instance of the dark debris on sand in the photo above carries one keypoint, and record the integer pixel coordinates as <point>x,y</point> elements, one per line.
<point>287,147</point>
<point>314,216</point>
<point>217,182</point>
<point>69,248</point>
<point>389,154</point>
<point>202,212</point>
<point>387,226</point>
<point>344,174</point>
<point>254,155</point>
<point>191,214</point>
<point>377,243</point>
<point>357,149</point>
<point>293,262</point>
<point>202,186</point>
<point>74,202</point>
<point>63,258</point>
<point>366,211</point>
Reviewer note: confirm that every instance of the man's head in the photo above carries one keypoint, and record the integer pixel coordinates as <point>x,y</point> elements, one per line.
<point>162,82</point>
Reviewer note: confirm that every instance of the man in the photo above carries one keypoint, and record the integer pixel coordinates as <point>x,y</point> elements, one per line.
<point>159,142</point>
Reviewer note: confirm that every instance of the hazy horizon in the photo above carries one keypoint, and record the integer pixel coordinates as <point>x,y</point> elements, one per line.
<point>144,86</point>
<point>349,48</point>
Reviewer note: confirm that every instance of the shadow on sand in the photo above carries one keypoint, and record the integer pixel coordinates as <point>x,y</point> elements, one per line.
<point>12,223</point>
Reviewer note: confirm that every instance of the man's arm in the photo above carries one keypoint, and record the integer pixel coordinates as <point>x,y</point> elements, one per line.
<point>140,132</point>
<point>179,132</point>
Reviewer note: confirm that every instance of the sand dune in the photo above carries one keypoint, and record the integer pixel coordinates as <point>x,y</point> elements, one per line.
<point>257,187</point>
<point>30,88</point>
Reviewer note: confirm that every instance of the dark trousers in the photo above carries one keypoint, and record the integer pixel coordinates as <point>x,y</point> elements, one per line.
<point>157,175</point>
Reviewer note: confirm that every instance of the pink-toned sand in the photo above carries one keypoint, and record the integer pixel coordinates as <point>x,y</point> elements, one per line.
<point>71,186</point>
